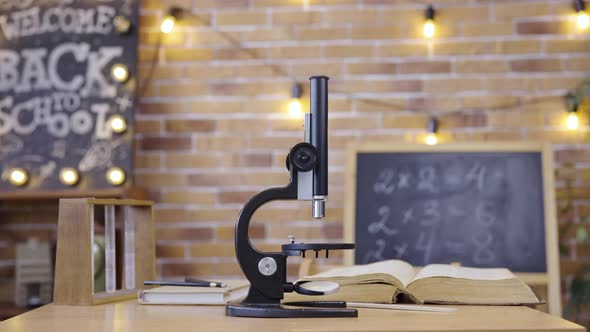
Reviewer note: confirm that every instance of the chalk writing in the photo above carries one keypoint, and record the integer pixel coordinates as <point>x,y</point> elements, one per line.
<point>381,225</point>
<point>445,207</point>
<point>56,89</point>
<point>376,254</point>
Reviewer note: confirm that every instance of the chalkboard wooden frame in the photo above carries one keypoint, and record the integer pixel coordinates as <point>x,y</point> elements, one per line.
<point>551,278</point>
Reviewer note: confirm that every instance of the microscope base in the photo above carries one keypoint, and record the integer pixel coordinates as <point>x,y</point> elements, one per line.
<point>278,311</point>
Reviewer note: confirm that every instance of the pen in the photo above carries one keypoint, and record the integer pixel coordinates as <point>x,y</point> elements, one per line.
<point>210,283</point>
<point>195,283</point>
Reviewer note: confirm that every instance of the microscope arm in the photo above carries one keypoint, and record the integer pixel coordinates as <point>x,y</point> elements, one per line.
<point>249,258</point>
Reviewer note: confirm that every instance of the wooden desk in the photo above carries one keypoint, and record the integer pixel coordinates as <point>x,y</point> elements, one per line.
<point>130,317</point>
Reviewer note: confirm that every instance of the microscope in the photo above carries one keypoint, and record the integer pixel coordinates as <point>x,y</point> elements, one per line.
<point>307,163</point>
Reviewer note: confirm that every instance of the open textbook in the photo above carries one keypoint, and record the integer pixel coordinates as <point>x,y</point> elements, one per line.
<point>396,281</point>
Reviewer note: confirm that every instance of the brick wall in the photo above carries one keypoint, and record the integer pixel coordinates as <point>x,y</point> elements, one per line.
<point>213,127</point>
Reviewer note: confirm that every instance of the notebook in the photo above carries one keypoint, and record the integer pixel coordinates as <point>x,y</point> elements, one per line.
<point>235,291</point>
<point>395,281</point>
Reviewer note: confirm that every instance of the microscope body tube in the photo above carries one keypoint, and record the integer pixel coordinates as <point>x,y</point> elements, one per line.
<point>319,139</point>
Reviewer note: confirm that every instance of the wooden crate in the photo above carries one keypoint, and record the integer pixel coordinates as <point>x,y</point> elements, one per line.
<point>74,267</point>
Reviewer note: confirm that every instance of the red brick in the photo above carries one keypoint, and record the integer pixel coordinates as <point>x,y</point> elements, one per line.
<point>187,234</point>
<point>166,143</point>
<point>162,215</point>
<point>188,197</point>
<point>536,65</point>
<point>7,253</point>
<point>462,120</point>
<point>572,155</point>
<point>563,45</point>
<point>249,160</point>
<point>346,51</point>
<point>419,67</point>
<point>7,272</point>
<point>235,197</point>
<point>539,28</point>
<point>169,251</point>
<point>382,68</point>
<point>225,233</point>
<point>190,126</point>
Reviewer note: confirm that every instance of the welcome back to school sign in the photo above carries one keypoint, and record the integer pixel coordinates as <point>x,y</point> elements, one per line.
<point>57,92</point>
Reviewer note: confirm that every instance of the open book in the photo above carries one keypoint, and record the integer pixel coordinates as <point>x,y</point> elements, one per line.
<point>395,281</point>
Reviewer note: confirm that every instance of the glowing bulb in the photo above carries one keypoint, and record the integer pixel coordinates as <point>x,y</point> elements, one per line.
<point>295,109</point>
<point>429,29</point>
<point>168,24</point>
<point>122,24</point>
<point>583,20</point>
<point>69,176</point>
<point>18,177</point>
<point>120,73</point>
<point>431,139</point>
<point>305,4</point>
<point>118,124</point>
<point>572,121</point>
<point>115,176</point>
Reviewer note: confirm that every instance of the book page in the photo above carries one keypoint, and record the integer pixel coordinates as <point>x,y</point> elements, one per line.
<point>452,271</point>
<point>401,270</point>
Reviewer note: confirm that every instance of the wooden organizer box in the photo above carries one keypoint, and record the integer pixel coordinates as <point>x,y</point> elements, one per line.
<point>74,267</point>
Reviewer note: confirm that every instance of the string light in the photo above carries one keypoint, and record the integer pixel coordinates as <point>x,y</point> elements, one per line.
<point>119,72</point>
<point>582,18</point>
<point>115,176</point>
<point>295,108</point>
<point>169,21</point>
<point>69,176</point>
<point>572,122</point>
<point>18,177</point>
<point>122,24</point>
<point>431,138</point>
<point>118,124</point>
<point>429,28</point>
<point>168,24</point>
<point>306,5</point>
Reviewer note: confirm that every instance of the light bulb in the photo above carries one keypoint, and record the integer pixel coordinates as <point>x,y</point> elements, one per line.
<point>118,124</point>
<point>18,177</point>
<point>295,109</point>
<point>122,24</point>
<point>431,139</point>
<point>572,121</point>
<point>115,176</point>
<point>429,29</point>
<point>583,20</point>
<point>120,72</point>
<point>306,4</point>
<point>69,176</point>
<point>168,24</point>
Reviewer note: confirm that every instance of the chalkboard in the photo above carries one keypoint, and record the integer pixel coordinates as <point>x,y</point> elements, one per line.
<point>57,92</point>
<point>481,205</point>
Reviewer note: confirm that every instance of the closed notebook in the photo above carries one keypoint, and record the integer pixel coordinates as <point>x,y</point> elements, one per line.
<point>395,281</point>
<point>235,291</point>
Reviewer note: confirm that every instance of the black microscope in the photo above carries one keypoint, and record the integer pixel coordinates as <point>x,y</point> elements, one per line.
<point>307,163</point>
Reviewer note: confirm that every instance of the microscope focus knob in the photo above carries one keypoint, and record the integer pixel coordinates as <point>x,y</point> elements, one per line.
<point>303,157</point>
<point>267,266</point>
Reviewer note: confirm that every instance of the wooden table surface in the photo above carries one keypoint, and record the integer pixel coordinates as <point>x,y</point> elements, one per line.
<point>129,317</point>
